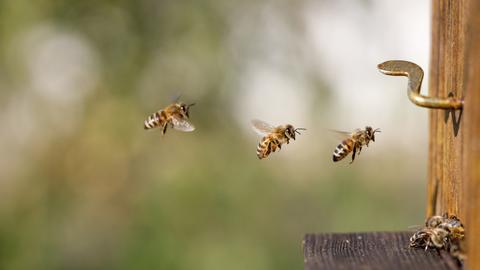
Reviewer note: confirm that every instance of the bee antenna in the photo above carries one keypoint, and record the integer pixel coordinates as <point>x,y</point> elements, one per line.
<point>376,130</point>
<point>190,105</point>
<point>297,130</point>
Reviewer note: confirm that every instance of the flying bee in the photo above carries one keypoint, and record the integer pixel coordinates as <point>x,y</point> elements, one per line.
<point>274,137</point>
<point>354,142</point>
<point>176,115</point>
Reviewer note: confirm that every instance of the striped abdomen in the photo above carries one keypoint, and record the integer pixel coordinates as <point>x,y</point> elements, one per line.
<point>155,120</point>
<point>266,146</point>
<point>343,149</point>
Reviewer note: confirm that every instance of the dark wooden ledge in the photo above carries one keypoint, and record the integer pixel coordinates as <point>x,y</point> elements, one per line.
<point>375,250</point>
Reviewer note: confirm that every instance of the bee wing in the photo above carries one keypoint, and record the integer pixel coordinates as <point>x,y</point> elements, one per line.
<point>176,98</point>
<point>261,127</point>
<point>341,134</point>
<point>182,124</point>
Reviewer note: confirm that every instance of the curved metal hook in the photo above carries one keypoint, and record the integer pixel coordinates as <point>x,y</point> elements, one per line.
<point>415,77</point>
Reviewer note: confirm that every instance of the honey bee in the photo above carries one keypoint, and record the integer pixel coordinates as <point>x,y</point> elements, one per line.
<point>434,221</point>
<point>354,141</point>
<point>449,223</point>
<point>274,137</point>
<point>442,232</point>
<point>176,115</point>
<point>430,237</point>
<point>458,249</point>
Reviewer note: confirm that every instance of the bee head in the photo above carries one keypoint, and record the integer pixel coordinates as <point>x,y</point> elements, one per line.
<point>185,108</point>
<point>290,131</point>
<point>371,132</point>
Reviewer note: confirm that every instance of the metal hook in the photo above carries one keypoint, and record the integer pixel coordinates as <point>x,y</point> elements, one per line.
<point>415,76</point>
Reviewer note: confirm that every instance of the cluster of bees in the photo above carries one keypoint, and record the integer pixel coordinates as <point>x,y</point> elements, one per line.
<point>176,115</point>
<point>442,232</point>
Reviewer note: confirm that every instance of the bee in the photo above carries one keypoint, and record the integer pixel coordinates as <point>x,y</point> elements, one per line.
<point>450,223</point>
<point>354,142</point>
<point>176,115</point>
<point>442,232</point>
<point>434,221</point>
<point>274,137</point>
<point>458,249</point>
<point>430,237</point>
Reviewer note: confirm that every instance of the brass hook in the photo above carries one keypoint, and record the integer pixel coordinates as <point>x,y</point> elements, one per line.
<point>415,76</point>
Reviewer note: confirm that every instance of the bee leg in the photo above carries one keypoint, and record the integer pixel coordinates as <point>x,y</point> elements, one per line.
<point>164,128</point>
<point>274,146</point>
<point>353,154</point>
<point>359,150</point>
<point>268,150</point>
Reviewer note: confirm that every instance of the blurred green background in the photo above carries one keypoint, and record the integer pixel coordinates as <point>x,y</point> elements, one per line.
<point>83,186</point>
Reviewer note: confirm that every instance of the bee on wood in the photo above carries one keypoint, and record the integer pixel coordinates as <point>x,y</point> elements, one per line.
<point>176,115</point>
<point>442,232</point>
<point>434,221</point>
<point>430,237</point>
<point>458,249</point>
<point>354,142</point>
<point>450,223</point>
<point>274,137</point>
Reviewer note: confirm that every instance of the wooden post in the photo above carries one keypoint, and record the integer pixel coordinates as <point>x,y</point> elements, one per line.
<point>445,174</point>
<point>454,158</point>
<point>472,135</point>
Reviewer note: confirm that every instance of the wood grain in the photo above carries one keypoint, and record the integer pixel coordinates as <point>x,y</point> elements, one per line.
<point>376,250</point>
<point>472,135</point>
<point>445,175</point>
<point>454,157</point>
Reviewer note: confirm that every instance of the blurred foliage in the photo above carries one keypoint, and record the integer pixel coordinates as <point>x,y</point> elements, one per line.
<point>105,194</point>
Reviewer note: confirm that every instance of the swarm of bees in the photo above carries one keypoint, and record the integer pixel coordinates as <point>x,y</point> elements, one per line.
<point>441,232</point>
<point>273,137</point>
<point>175,115</point>
<point>353,142</point>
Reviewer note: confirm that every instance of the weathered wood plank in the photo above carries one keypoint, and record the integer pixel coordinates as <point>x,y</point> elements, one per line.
<point>376,250</point>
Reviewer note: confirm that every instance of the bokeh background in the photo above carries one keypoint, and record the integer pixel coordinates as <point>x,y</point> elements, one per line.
<point>83,186</point>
